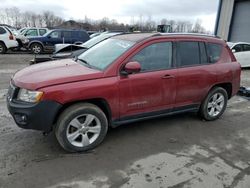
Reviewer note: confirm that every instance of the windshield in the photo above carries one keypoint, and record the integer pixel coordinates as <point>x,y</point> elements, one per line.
<point>104,53</point>
<point>97,39</point>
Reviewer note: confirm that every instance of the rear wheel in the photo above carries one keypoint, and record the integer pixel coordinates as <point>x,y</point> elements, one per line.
<point>81,127</point>
<point>214,105</point>
<point>3,48</point>
<point>36,48</point>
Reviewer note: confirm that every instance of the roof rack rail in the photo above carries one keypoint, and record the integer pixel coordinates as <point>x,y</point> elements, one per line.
<point>192,34</point>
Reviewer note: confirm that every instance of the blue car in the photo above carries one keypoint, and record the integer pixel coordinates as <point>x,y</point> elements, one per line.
<point>47,42</point>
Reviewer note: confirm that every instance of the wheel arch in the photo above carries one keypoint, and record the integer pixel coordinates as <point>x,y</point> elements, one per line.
<point>35,41</point>
<point>227,86</point>
<point>3,43</point>
<point>99,102</point>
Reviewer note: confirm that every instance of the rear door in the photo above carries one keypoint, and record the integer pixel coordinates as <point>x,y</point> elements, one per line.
<point>195,73</point>
<point>153,89</point>
<point>67,37</point>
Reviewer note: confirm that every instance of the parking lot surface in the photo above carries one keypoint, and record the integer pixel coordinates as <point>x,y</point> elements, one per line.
<point>177,151</point>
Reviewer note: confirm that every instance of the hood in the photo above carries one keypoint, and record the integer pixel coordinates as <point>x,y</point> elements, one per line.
<point>61,46</point>
<point>53,73</point>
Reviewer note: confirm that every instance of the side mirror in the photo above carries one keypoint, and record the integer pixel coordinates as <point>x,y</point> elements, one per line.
<point>49,37</point>
<point>131,67</point>
<point>233,50</point>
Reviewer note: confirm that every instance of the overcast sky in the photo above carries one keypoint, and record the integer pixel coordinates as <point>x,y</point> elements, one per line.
<point>124,10</point>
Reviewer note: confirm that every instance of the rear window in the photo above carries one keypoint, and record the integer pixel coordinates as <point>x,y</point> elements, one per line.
<point>2,31</point>
<point>214,52</point>
<point>67,34</point>
<point>84,35</point>
<point>42,31</point>
<point>246,47</point>
<point>188,53</point>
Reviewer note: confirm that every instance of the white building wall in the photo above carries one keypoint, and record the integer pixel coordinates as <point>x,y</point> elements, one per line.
<point>225,18</point>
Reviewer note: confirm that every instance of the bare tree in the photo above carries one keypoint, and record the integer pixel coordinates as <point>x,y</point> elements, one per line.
<point>197,28</point>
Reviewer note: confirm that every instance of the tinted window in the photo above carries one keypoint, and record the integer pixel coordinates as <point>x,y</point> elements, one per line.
<point>2,30</point>
<point>238,48</point>
<point>67,34</point>
<point>214,52</point>
<point>203,53</point>
<point>42,31</point>
<point>246,47</point>
<point>84,35</point>
<point>188,53</point>
<point>55,34</point>
<point>31,32</point>
<point>155,57</point>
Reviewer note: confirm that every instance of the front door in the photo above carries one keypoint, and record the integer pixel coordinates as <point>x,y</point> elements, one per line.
<point>54,38</point>
<point>153,89</point>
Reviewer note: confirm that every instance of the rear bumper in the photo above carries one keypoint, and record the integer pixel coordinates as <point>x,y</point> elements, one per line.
<point>40,116</point>
<point>11,44</point>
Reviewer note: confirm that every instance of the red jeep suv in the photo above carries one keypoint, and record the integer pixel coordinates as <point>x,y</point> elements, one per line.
<point>123,79</point>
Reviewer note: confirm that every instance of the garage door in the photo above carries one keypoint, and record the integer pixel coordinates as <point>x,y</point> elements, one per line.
<point>240,28</point>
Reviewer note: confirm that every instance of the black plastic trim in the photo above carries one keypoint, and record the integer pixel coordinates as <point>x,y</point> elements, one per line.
<point>39,116</point>
<point>155,114</point>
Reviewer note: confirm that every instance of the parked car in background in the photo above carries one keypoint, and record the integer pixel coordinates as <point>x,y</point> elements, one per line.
<point>7,39</point>
<point>241,51</point>
<point>21,39</point>
<point>124,79</point>
<point>76,50</point>
<point>34,32</point>
<point>63,51</point>
<point>47,42</point>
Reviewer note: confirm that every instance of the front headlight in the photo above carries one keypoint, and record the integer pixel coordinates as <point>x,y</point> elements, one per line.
<point>29,96</point>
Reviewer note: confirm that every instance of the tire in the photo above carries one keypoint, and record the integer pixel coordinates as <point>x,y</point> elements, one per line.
<point>3,48</point>
<point>71,132</point>
<point>214,104</point>
<point>36,48</point>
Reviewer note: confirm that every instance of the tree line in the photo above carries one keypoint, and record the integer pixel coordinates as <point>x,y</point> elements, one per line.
<point>18,19</point>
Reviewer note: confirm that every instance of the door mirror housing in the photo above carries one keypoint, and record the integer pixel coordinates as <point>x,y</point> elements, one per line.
<point>233,50</point>
<point>131,67</point>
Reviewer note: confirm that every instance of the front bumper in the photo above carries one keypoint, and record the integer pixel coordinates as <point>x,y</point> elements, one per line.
<point>39,116</point>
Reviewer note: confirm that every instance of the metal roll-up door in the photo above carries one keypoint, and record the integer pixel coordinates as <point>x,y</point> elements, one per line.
<point>240,28</point>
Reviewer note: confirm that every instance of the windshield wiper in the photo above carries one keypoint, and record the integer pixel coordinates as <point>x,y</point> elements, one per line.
<point>83,61</point>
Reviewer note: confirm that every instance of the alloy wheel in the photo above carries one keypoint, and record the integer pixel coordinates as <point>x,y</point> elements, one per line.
<point>83,130</point>
<point>215,104</point>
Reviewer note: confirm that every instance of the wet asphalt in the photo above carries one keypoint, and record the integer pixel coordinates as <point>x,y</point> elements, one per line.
<point>177,151</point>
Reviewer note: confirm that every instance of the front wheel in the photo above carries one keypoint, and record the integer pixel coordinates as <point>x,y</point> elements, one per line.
<point>81,127</point>
<point>36,48</point>
<point>214,105</point>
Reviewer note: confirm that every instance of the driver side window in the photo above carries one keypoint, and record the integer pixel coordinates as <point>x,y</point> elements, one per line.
<point>55,34</point>
<point>238,48</point>
<point>154,57</point>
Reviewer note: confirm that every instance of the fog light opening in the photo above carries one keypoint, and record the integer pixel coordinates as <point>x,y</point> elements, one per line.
<point>21,119</point>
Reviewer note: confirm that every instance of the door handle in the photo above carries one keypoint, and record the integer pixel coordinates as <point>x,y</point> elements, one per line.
<point>167,76</point>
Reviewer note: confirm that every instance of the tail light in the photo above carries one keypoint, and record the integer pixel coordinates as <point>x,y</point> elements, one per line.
<point>11,37</point>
